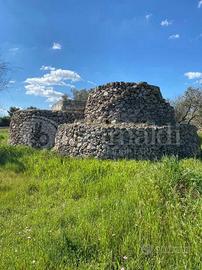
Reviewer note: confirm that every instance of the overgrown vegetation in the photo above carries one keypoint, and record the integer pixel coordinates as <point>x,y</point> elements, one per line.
<point>61,213</point>
<point>3,136</point>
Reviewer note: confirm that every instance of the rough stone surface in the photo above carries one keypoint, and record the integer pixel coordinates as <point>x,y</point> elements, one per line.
<point>37,128</point>
<point>127,120</point>
<point>128,102</point>
<point>129,141</point>
<point>122,120</point>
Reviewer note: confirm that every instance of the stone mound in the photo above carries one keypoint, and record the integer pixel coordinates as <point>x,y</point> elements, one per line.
<point>126,141</point>
<point>37,128</point>
<point>127,120</point>
<point>128,102</point>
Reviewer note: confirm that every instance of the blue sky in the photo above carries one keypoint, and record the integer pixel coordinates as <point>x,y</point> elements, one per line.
<point>52,46</point>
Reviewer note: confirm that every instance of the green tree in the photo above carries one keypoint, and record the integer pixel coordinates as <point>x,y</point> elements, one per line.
<point>12,110</point>
<point>188,107</point>
<point>31,108</point>
<point>5,121</point>
<point>80,95</point>
<point>65,101</point>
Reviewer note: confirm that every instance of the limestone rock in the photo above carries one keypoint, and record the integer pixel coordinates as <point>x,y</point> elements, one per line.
<point>130,121</point>
<point>37,128</point>
<point>128,102</point>
<point>128,141</point>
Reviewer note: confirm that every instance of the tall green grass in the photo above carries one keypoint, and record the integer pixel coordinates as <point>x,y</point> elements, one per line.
<point>3,136</point>
<point>62,213</point>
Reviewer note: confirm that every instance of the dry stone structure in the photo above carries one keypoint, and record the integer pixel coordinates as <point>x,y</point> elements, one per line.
<point>128,103</point>
<point>127,120</point>
<point>37,128</point>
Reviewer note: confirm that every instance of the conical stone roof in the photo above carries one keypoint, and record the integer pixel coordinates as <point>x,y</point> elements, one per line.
<point>120,102</point>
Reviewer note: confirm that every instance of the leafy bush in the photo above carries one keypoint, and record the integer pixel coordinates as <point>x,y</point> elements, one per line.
<point>4,121</point>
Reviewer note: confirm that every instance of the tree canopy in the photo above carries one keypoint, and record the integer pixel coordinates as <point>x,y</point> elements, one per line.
<point>188,107</point>
<point>80,95</point>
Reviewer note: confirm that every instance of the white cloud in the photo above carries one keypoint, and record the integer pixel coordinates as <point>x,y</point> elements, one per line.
<point>200,4</point>
<point>12,82</point>
<point>14,50</point>
<point>38,90</point>
<point>90,82</point>
<point>47,68</point>
<point>42,91</point>
<point>44,86</point>
<point>148,16</point>
<point>70,85</point>
<point>56,46</point>
<point>193,75</point>
<point>176,36</point>
<point>166,23</point>
<point>55,77</point>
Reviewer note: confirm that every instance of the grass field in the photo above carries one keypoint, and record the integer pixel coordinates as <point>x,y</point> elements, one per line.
<point>61,213</point>
<point>3,136</point>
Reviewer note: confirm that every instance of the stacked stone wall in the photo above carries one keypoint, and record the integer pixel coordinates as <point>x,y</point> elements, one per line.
<point>121,121</point>
<point>128,102</point>
<point>37,128</point>
<point>127,120</point>
<point>128,141</point>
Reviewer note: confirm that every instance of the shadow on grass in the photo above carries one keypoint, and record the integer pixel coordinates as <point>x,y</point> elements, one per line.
<point>10,157</point>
